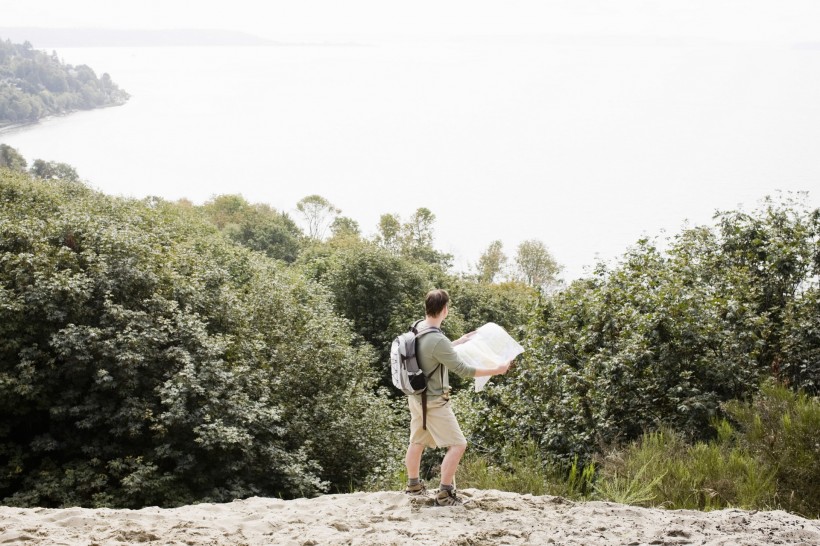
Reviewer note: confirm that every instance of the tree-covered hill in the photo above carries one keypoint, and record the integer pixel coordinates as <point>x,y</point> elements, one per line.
<point>146,359</point>
<point>166,353</point>
<point>35,84</point>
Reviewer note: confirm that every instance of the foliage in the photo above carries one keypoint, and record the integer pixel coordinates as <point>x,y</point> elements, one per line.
<point>521,468</point>
<point>413,239</point>
<point>343,227</point>
<point>535,265</point>
<point>255,226</point>
<point>34,84</point>
<point>664,339</point>
<point>769,459</point>
<point>380,293</point>
<point>144,360</point>
<point>11,159</point>
<point>389,230</point>
<point>508,304</point>
<point>780,429</point>
<point>491,263</point>
<point>319,213</point>
<point>52,169</point>
<point>663,469</point>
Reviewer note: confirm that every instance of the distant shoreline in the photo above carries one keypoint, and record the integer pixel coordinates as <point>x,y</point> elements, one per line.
<point>49,38</point>
<point>10,127</point>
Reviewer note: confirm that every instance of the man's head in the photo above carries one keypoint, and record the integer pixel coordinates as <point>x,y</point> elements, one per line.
<point>435,302</point>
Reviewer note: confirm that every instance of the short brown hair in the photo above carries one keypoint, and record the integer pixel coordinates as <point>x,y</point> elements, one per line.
<point>435,301</point>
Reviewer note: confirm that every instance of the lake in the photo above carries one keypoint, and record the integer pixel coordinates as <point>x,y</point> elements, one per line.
<point>586,145</point>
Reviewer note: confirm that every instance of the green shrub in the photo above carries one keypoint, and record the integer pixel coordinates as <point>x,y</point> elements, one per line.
<point>145,359</point>
<point>781,429</point>
<point>520,468</point>
<point>663,338</point>
<point>662,469</point>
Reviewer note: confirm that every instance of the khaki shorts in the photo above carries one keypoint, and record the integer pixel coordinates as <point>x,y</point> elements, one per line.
<point>442,426</point>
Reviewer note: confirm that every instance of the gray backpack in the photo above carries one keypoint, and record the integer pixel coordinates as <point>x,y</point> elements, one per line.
<point>406,372</point>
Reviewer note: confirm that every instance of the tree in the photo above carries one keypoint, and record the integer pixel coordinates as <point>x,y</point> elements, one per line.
<point>344,227</point>
<point>318,213</point>
<point>417,233</point>
<point>256,226</point>
<point>491,263</point>
<point>412,239</point>
<point>389,231</point>
<point>54,170</point>
<point>11,158</point>
<point>535,265</point>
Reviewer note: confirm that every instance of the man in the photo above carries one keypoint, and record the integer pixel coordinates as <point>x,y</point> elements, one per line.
<point>437,358</point>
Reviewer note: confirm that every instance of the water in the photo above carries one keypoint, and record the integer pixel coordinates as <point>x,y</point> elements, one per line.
<point>586,146</point>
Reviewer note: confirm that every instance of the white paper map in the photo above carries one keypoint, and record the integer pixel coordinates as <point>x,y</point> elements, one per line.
<point>490,346</point>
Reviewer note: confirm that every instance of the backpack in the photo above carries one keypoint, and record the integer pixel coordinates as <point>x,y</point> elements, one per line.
<point>406,372</point>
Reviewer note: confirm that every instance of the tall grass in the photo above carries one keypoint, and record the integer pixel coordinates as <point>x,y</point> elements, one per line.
<point>781,429</point>
<point>524,470</point>
<point>663,470</point>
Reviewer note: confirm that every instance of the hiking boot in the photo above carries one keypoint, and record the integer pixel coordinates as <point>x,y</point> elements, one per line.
<point>416,490</point>
<point>447,497</point>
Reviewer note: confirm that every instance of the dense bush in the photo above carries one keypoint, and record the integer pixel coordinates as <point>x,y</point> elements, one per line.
<point>664,338</point>
<point>663,469</point>
<point>379,292</point>
<point>769,459</point>
<point>146,360</point>
<point>255,226</point>
<point>780,429</point>
<point>508,304</point>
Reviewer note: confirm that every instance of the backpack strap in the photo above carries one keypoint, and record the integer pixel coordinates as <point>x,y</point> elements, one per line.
<point>420,333</point>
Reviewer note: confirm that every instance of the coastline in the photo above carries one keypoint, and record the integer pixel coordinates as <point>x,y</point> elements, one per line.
<point>13,126</point>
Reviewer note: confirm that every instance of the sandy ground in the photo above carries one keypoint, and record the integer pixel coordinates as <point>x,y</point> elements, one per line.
<point>492,517</point>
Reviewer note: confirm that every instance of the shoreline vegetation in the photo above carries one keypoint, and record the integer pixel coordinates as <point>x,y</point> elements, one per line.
<point>11,127</point>
<point>35,85</point>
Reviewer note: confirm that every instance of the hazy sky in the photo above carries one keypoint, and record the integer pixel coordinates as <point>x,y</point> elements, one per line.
<point>743,20</point>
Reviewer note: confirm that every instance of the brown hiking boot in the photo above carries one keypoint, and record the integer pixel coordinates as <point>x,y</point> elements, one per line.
<point>416,490</point>
<point>447,497</point>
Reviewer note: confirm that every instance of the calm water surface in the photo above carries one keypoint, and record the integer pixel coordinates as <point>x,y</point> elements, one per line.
<point>586,146</point>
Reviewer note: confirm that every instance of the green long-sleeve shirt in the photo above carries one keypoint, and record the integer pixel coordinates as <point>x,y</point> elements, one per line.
<point>433,349</point>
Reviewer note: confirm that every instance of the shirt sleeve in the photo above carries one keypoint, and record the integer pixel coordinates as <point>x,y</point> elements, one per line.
<point>447,355</point>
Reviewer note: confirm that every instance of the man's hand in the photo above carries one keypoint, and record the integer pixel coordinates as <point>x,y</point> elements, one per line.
<point>464,338</point>
<point>502,368</point>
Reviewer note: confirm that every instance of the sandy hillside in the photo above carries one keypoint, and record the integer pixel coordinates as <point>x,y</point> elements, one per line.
<point>493,517</point>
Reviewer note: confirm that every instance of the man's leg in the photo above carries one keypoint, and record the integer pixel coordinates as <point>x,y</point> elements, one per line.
<point>450,463</point>
<point>413,460</point>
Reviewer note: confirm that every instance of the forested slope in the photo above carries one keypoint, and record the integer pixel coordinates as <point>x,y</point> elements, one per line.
<point>35,84</point>
<point>167,353</point>
<point>145,359</point>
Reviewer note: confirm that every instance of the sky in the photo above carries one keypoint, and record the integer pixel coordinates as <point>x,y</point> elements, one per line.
<point>729,20</point>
